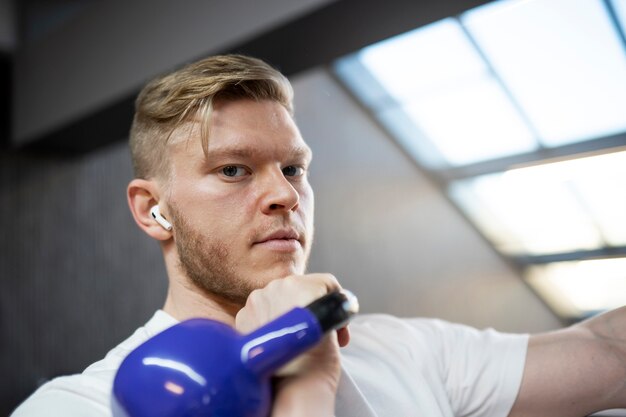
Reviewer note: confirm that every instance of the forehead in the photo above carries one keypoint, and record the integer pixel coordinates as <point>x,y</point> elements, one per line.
<point>247,128</point>
<point>247,113</point>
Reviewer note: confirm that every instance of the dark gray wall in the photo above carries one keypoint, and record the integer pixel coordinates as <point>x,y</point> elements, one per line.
<point>7,25</point>
<point>77,274</point>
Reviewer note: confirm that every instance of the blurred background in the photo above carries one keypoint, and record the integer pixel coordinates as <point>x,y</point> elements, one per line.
<point>469,159</point>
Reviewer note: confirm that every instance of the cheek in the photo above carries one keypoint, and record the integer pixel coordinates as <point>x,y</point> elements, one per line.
<point>209,210</point>
<point>307,203</point>
<point>229,211</point>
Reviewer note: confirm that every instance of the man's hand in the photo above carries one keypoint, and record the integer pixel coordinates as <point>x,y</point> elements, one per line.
<point>308,385</point>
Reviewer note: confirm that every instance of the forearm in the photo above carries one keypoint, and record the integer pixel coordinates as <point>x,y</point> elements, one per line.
<point>608,331</point>
<point>609,328</point>
<point>303,397</point>
<point>306,386</point>
<point>576,371</point>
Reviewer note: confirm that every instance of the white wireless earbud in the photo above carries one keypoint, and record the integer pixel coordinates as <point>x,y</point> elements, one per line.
<point>160,219</point>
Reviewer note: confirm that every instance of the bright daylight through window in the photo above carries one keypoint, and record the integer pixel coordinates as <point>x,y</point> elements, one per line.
<point>518,108</point>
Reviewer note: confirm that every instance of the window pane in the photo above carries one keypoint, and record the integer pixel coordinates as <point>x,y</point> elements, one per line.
<point>600,184</point>
<point>533,216</point>
<point>472,123</point>
<point>562,61</point>
<point>430,58</point>
<point>552,208</point>
<point>447,91</point>
<point>581,288</point>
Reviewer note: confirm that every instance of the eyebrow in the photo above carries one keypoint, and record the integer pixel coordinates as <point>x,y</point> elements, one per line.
<point>296,152</point>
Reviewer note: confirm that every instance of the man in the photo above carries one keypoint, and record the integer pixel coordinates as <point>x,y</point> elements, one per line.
<point>221,183</point>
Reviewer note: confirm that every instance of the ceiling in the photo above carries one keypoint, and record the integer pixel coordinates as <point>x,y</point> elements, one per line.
<point>56,104</point>
<point>516,109</point>
<point>472,91</point>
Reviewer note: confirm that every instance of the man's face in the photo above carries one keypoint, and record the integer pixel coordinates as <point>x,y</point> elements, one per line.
<point>243,215</point>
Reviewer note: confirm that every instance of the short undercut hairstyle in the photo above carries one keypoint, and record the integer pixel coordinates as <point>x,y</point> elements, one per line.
<point>169,101</point>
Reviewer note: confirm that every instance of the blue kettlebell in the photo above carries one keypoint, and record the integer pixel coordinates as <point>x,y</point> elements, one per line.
<point>202,367</point>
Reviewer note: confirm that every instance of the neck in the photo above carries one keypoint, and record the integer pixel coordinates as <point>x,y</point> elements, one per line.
<point>185,301</point>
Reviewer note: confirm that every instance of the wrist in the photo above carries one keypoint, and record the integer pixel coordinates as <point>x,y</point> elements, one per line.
<point>304,396</point>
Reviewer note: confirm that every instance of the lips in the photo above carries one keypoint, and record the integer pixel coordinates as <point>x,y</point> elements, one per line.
<point>287,234</point>
<point>284,239</point>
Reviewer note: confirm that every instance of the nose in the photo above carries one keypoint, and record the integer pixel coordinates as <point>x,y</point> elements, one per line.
<point>279,195</point>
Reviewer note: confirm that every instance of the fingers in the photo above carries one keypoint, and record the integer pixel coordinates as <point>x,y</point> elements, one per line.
<point>280,296</point>
<point>343,336</point>
<point>323,358</point>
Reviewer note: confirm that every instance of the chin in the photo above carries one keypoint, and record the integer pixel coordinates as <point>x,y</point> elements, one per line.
<point>279,272</point>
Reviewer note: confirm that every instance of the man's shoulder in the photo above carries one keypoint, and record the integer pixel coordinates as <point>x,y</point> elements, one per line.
<point>418,327</point>
<point>389,325</point>
<point>89,393</point>
<point>104,370</point>
<point>385,333</point>
<point>71,395</point>
<point>389,336</point>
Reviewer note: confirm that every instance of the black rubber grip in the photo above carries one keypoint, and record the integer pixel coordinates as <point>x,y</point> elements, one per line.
<point>331,311</point>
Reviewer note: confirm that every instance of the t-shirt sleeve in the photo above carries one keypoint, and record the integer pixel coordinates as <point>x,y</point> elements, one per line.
<point>71,396</point>
<point>481,369</point>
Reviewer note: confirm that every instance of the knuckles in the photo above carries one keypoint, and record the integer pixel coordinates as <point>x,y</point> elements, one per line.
<point>281,295</point>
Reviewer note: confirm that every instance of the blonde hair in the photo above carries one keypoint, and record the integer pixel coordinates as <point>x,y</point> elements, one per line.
<point>168,102</point>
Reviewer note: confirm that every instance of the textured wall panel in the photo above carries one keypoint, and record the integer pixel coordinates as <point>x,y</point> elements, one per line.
<point>77,274</point>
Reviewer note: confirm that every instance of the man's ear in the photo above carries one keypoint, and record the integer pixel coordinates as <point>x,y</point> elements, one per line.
<point>142,196</point>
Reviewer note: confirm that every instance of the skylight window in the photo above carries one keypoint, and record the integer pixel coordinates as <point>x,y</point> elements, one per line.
<point>424,61</point>
<point>471,123</point>
<point>581,288</point>
<point>518,108</point>
<point>561,60</point>
<point>560,207</point>
<point>444,86</point>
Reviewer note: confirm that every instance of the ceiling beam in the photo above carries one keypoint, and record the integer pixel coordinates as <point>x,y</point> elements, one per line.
<point>95,116</point>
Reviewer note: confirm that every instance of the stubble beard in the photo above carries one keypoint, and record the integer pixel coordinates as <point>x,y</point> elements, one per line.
<point>208,262</point>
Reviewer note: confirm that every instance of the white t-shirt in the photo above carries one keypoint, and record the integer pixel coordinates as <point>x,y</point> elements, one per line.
<point>392,367</point>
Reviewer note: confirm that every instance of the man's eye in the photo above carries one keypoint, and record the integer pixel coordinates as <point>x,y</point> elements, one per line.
<point>293,171</point>
<point>234,171</point>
